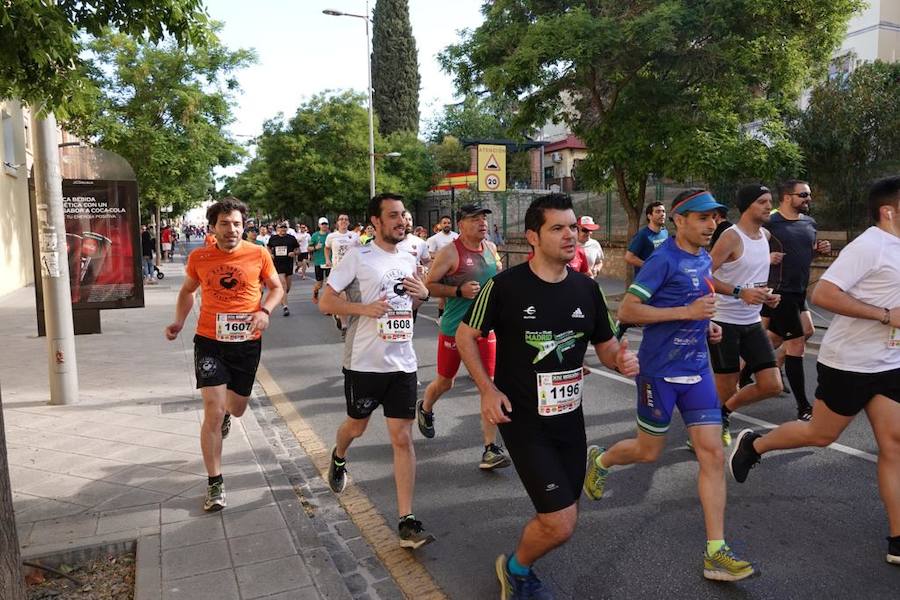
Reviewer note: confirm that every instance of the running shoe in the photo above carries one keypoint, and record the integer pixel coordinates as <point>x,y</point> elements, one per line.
<point>286,311</point>
<point>513,587</point>
<point>412,534</point>
<point>804,414</point>
<point>743,457</point>
<point>726,429</point>
<point>337,322</point>
<point>595,478</point>
<point>315,297</point>
<point>725,566</point>
<point>893,555</point>
<point>215,497</point>
<point>493,458</point>
<point>337,473</point>
<point>226,426</point>
<point>425,420</point>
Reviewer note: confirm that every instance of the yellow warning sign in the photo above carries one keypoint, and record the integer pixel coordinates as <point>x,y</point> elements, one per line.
<point>491,168</point>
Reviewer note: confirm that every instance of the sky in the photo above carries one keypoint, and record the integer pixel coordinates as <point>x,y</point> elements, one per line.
<point>302,52</point>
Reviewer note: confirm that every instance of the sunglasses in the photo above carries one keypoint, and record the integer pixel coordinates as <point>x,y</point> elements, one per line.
<point>802,195</point>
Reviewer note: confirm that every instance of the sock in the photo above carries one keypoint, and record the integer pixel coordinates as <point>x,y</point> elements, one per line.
<point>517,569</point>
<point>599,462</point>
<point>713,546</point>
<point>337,460</point>
<point>409,517</point>
<point>216,479</point>
<point>793,368</point>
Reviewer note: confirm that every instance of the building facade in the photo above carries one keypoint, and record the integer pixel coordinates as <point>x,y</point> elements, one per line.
<point>16,268</point>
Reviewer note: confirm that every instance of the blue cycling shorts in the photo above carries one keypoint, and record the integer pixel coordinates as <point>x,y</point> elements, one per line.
<point>657,398</point>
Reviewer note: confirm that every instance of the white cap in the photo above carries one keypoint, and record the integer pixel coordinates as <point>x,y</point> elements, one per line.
<point>323,220</point>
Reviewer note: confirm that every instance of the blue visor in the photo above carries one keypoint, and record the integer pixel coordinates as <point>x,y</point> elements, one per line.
<point>703,202</point>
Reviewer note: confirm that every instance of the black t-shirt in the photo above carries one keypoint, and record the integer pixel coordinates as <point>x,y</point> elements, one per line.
<point>148,244</point>
<point>796,238</point>
<point>289,243</point>
<point>541,328</point>
<point>720,229</point>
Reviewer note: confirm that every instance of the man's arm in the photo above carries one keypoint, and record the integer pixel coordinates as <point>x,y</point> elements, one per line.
<point>275,293</point>
<point>328,259</point>
<point>444,262</point>
<point>496,255</point>
<point>725,250</point>
<point>632,310</point>
<point>493,401</point>
<point>632,259</point>
<point>331,302</point>
<point>830,297</point>
<point>183,306</point>
<point>616,356</point>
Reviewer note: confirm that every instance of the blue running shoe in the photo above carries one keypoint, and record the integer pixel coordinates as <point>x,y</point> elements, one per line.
<point>513,587</point>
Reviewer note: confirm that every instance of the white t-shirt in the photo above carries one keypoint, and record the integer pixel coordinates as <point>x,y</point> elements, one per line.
<point>868,269</point>
<point>264,238</point>
<point>439,240</point>
<point>593,251</point>
<point>367,273</point>
<point>417,247</point>
<point>303,240</point>
<point>339,244</point>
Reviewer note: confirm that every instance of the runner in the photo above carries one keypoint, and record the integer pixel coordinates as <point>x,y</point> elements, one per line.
<point>460,269</point>
<point>283,247</point>
<point>317,243</point>
<point>228,341</point>
<point>443,236</point>
<point>591,247</point>
<point>793,237</point>
<point>648,238</point>
<point>740,263</point>
<point>337,244</point>
<point>672,296</point>
<point>544,315</point>
<point>379,360</point>
<point>303,238</point>
<point>859,359</point>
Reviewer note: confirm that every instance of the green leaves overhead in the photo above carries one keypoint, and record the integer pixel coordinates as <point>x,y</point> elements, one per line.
<point>395,68</point>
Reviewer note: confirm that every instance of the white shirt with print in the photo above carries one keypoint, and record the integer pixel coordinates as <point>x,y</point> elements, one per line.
<point>339,244</point>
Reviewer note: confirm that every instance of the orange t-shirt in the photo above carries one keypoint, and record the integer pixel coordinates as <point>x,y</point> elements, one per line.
<point>230,283</point>
<point>210,239</point>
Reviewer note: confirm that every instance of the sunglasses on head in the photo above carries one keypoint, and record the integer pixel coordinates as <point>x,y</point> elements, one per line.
<point>802,194</point>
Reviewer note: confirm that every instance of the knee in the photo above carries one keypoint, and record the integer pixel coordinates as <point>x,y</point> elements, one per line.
<point>238,411</point>
<point>442,385</point>
<point>889,447</point>
<point>711,455</point>
<point>821,438</point>
<point>558,531</point>
<point>771,386</point>
<point>213,416</point>
<point>401,440</point>
<point>355,427</point>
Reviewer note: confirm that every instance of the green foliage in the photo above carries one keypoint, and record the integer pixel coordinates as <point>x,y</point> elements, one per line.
<point>42,43</point>
<point>474,117</point>
<point>164,108</point>
<point>651,86</point>
<point>411,173</point>
<point>849,136</point>
<point>449,156</point>
<point>395,68</point>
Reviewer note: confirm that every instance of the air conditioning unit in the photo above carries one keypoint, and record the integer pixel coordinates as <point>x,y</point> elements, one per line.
<point>556,157</point>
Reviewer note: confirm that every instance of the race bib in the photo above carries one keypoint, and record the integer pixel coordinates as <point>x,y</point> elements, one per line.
<point>233,327</point>
<point>396,326</point>
<point>559,392</point>
<point>281,251</point>
<point>894,338</point>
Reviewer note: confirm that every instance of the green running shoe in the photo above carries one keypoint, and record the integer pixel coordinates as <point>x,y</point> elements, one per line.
<point>595,477</point>
<point>215,497</point>
<point>725,566</point>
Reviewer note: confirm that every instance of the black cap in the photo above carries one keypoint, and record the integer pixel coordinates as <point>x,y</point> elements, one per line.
<point>748,194</point>
<point>470,210</point>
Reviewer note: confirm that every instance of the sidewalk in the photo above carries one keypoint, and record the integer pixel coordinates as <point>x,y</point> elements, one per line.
<point>124,464</point>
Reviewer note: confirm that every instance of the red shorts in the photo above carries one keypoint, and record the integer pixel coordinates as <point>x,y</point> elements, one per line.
<point>448,358</point>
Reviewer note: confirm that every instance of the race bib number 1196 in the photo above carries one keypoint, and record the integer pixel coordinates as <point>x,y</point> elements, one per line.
<point>559,392</point>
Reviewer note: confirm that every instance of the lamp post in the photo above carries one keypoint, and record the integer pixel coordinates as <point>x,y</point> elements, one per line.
<point>365,17</point>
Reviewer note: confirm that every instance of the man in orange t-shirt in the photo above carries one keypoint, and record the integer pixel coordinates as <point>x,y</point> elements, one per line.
<point>227,346</point>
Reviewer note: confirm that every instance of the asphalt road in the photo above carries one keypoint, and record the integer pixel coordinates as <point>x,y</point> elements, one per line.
<point>811,519</point>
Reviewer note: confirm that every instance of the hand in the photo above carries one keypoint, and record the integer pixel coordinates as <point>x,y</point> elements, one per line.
<point>702,308</point>
<point>470,289</point>
<point>773,300</point>
<point>327,265</point>
<point>492,405</point>
<point>754,295</point>
<point>715,333</point>
<point>626,360</point>
<point>260,321</point>
<point>775,258</point>
<point>414,287</point>
<point>173,330</point>
<point>823,246</point>
<point>377,309</point>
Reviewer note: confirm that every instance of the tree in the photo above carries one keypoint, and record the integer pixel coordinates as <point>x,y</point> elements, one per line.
<point>449,156</point>
<point>411,173</point>
<point>395,68</point>
<point>475,117</point>
<point>648,84</point>
<point>12,585</point>
<point>164,108</point>
<point>848,135</point>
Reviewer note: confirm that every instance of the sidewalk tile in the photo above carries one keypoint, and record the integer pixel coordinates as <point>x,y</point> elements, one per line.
<point>62,530</point>
<point>260,547</point>
<point>180,509</point>
<point>252,521</point>
<point>132,497</point>
<point>191,532</point>
<point>219,586</point>
<point>188,561</point>
<point>272,577</point>
<point>124,519</point>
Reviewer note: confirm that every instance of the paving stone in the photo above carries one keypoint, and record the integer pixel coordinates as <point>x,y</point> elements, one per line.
<point>357,584</point>
<point>388,590</point>
<point>272,577</point>
<point>62,530</point>
<point>344,561</point>
<point>192,532</point>
<point>260,547</point>
<point>128,518</point>
<point>221,586</point>
<point>347,530</point>
<point>188,561</point>
<point>360,548</point>
<point>253,521</point>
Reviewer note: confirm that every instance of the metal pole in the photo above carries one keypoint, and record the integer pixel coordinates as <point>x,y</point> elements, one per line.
<point>371,116</point>
<point>63,368</point>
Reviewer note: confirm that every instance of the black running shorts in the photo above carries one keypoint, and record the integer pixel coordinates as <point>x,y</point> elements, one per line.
<point>395,392</point>
<point>551,467</point>
<point>750,342</point>
<point>285,267</point>
<point>233,364</point>
<point>847,393</point>
<point>784,319</point>
<point>302,256</point>
<point>321,273</point>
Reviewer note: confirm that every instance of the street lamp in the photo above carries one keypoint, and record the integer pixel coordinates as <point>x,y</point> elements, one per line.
<point>365,17</point>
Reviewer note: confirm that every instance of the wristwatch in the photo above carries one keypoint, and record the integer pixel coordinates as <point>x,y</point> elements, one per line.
<point>736,292</point>
<point>458,291</point>
<point>886,317</point>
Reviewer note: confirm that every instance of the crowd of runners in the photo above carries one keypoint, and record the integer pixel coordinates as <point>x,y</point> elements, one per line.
<point>723,326</point>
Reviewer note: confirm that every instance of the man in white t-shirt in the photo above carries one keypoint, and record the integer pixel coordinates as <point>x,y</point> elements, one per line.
<point>591,247</point>
<point>418,248</point>
<point>859,360</point>
<point>337,244</point>
<point>380,364</point>
<point>443,237</point>
<point>303,238</point>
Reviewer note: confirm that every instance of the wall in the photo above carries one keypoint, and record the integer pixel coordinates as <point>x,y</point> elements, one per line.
<point>15,225</point>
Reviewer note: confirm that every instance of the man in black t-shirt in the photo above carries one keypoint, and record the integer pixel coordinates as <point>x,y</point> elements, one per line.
<point>544,315</point>
<point>284,248</point>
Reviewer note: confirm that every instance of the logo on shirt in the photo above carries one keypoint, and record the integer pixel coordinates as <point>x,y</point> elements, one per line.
<point>578,314</point>
<point>547,342</point>
<point>227,283</point>
<point>529,312</point>
<point>392,288</point>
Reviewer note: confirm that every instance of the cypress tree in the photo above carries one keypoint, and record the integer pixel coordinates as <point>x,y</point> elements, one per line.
<point>395,68</point>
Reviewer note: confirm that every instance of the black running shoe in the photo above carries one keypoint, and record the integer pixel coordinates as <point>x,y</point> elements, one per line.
<point>337,473</point>
<point>893,555</point>
<point>337,322</point>
<point>226,426</point>
<point>425,420</point>
<point>743,457</point>
<point>286,311</point>
<point>412,534</point>
<point>804,414</point>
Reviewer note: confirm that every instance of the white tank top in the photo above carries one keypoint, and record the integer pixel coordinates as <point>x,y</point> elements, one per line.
<point>750,270</point>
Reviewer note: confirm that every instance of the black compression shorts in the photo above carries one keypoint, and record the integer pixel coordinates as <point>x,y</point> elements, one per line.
<point>750,342</point>
<point>784,319</point>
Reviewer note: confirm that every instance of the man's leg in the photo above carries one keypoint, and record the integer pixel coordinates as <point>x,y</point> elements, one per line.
<point>348,431</point>
<point>884,416</point>
<point>438,387</point>
<point>767,383</point>
<point>644,448</point>
<point>400,431</point>
<point>826,426</point>
<point>545,532</point>
<point>214,403</point>
<point>711,479</point>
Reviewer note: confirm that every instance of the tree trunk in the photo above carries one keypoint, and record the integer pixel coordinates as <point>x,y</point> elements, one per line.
<point>12,584</point>
<point>632,206</point>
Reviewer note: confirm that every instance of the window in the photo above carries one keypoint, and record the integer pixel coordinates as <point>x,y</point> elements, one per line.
<point>9,144</point>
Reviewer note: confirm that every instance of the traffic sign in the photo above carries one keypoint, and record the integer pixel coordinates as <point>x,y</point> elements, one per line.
<point>491,168</point>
